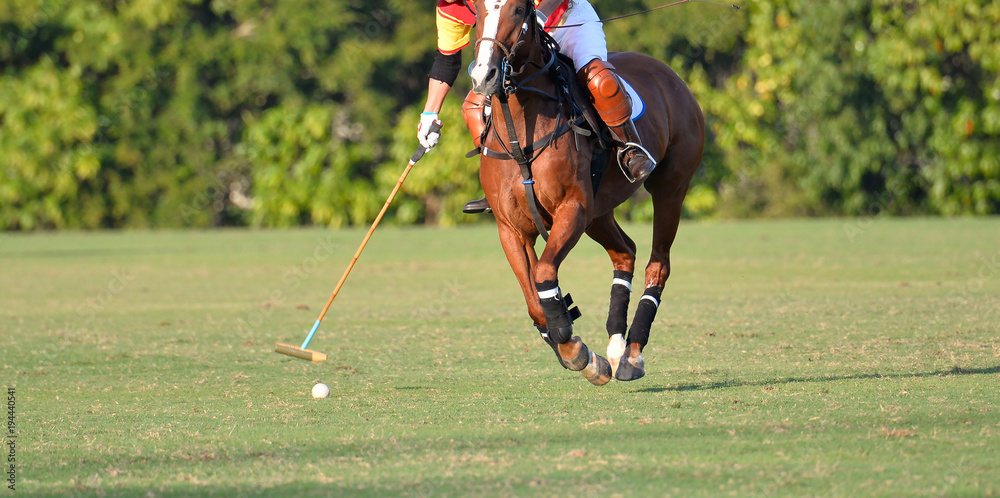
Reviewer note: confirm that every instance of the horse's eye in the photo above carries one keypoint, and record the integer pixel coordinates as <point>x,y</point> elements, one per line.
<point>519,11</point>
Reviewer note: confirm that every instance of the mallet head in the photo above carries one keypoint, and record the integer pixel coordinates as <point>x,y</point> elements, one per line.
<point>305,354</point>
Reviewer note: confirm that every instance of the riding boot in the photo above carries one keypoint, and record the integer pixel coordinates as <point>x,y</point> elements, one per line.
<point>472,110</point>
<point>477,206</point>
<point>633,156</point>
<point>614,105</point>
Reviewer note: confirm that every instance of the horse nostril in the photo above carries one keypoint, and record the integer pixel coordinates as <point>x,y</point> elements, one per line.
<point>491,75</point>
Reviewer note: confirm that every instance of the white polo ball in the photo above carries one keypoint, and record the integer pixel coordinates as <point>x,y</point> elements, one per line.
<point>321,390</point>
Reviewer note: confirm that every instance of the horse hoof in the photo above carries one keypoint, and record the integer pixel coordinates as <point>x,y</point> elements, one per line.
<point>580,360</point>
<point>598,371</point>
<point>616,348</point>
<point>630,367</point>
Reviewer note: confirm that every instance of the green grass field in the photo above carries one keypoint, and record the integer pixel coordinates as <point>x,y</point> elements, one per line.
<point>835,357</point>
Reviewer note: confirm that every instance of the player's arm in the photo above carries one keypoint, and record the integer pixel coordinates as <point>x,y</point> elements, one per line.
<point>443,74</point>
<point>453,36</point>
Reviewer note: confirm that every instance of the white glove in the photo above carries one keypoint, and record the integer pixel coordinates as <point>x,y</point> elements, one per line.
<point>425,136</point>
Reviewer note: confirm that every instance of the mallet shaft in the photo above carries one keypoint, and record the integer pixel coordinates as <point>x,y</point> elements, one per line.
<point>357,254</point>
<point>385,207</point>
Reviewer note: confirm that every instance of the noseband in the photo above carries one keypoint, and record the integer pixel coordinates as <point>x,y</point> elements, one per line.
<point>509,86</point>
<point>507,69</point>
<point>507,52</point>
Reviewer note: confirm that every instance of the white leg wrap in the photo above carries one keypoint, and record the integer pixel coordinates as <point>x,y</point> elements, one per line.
<point>549,294</point>
<point>622,281</point>
<point>616,348</point>
<point>652,299</point>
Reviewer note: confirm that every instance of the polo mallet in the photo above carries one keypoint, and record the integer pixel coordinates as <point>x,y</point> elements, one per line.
<point>308,354</point>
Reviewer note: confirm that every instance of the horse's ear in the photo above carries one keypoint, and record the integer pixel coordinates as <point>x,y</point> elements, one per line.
<point>531,22</point>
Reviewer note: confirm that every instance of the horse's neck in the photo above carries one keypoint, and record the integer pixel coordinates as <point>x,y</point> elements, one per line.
<point>530,106</point>
<point>526,103</point>
<point>530,113</point>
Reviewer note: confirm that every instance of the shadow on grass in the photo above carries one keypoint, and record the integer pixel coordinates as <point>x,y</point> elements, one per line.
<point>833,378</point>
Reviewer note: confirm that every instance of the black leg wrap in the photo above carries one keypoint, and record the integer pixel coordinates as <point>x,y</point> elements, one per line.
<point>618,310</point>
<point>574,312</point>
<point>558,317</point>
<point>644,315</point>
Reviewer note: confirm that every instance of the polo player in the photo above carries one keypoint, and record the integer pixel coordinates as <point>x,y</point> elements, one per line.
<point>584,44</point>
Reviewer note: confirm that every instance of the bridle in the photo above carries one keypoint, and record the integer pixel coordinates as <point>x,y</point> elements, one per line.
<point>551,48</point>
<point>510,85</point>
<point>506,69</point>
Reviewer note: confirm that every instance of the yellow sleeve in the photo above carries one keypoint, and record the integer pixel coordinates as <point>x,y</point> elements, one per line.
<point>453,35</point>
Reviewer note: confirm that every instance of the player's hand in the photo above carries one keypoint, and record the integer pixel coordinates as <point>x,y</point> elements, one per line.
<point>426,134</point>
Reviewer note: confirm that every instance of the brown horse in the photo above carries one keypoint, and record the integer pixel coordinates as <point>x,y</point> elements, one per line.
<point>559,181</point>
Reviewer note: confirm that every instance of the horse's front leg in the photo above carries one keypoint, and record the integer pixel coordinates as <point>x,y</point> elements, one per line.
<point>520,252</point>
<point>568,224</point>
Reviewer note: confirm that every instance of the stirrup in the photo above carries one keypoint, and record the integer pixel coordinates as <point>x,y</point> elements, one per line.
<point>477,206</point>
<point>629,146</point>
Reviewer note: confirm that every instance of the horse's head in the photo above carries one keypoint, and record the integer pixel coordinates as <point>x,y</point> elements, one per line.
<point>501,27</point>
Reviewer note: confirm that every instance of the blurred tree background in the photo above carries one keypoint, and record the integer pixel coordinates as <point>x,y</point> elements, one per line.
<point>171,113</point>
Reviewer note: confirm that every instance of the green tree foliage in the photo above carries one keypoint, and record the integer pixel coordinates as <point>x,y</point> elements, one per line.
<point>195,113</point>
<point>145,113</point>
<point>938,65</point>
<point>302,174</point>
<point>440,184</point>
<point>853,107</point>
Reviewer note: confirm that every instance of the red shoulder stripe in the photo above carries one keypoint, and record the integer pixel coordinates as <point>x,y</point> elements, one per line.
<point>449,52</point>
<point>458,12</point>
<point>557,15</point>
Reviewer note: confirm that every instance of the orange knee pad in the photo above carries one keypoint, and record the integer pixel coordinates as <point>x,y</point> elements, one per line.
<point>606,92</point>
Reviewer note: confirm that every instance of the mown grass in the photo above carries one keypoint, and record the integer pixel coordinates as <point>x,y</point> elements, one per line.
<point>834,357</point>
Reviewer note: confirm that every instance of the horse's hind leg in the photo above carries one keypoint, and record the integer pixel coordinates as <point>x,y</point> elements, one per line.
<point>606,231</point>
<point>668,191</point>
